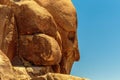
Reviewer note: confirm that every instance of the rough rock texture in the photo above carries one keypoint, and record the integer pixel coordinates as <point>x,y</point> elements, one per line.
<point>45,48</point>
<point>65,17</point>
<point>37,37</point>
<point>56,76</point>
<point>4,2</point>
<point>62,11</point>
<point>7,31</point>
<point>6,71</point>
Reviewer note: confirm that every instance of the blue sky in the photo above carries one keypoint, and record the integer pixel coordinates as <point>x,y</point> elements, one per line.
<point>99,39</point>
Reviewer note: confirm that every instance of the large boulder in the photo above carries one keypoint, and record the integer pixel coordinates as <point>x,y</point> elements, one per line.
<point>40,49</point>
<point>38,36</point>
<point>65,17</point>
<point>63,12</point>
<point>70,50</point>
<point>33,19</point>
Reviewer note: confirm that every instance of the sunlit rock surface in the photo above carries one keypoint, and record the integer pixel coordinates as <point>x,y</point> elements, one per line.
<point>38,39</point>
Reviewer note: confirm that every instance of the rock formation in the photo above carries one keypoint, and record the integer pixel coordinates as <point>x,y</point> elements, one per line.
<point>38,39</point>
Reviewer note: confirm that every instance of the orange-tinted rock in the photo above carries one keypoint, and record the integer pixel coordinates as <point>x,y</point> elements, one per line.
<point>37,71</point>
<point>4,2</point>
<point>40,49</point>
<point>44,32</point>
<point>35,19</point>
<point>32,18</point>
<point>70,50</point>
<point>8,35</point>
<point>6,72</point>
<point>56,76</point>
<point>63,12</point>
<point>65,17</point>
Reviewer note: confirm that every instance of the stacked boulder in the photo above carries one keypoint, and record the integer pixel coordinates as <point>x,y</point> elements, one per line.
<point>39,35</point>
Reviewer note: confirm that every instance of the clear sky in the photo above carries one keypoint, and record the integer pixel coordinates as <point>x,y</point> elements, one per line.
<point>99,39</point>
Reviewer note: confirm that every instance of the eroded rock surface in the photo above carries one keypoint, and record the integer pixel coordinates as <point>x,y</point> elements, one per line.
<point>8,35</point>
<point>40,49</point>
<point>56,76</point>
<point>38,37</point>
<point>6,71</point>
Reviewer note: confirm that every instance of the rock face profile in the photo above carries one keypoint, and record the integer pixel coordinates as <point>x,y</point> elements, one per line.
<point>38,40</point>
